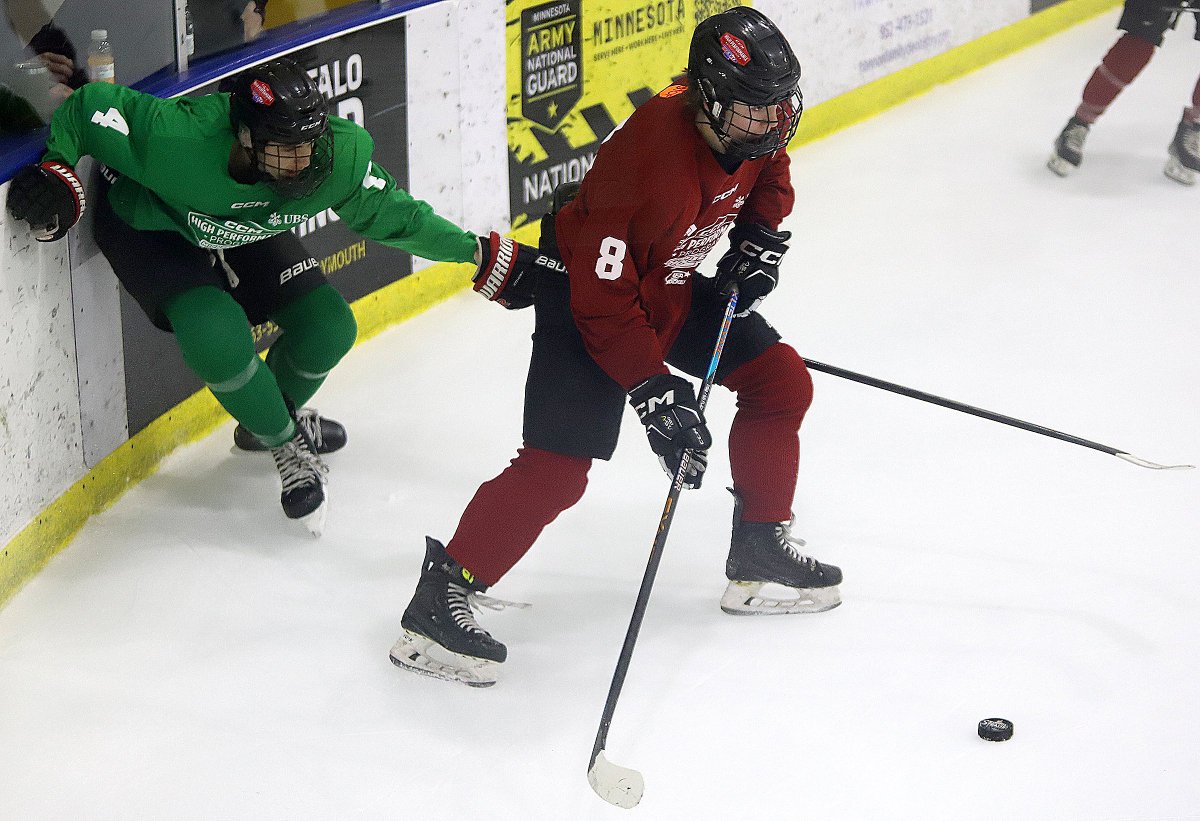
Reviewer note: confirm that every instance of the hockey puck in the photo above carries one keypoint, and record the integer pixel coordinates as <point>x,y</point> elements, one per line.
<point>995,729</point>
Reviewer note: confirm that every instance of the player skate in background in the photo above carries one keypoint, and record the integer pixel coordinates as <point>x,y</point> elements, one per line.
<point>694,162</point>
<point>193,211</point>
<point>1144,23</point>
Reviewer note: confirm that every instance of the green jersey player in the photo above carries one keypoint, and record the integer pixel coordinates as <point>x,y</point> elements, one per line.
<point>196,199</point>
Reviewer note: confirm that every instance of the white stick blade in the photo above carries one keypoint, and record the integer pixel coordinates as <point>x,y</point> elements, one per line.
<point>619,786</point>
<point>1142,463</point>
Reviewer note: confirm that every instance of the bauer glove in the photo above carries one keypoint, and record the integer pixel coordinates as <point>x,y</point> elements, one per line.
<point>48,196</point>
<point>752,262</point>
<point>667,406</point>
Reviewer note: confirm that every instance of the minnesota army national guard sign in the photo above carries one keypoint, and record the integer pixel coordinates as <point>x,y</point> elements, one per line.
<point>551,65</point>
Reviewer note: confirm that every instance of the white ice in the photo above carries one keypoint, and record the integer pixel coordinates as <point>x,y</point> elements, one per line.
<point>193,655</point>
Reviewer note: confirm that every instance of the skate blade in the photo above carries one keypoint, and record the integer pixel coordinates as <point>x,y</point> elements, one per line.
<point>1178,171</point>
<point>411,652</point>
<point>743,599</point>
<point>1060,166</point>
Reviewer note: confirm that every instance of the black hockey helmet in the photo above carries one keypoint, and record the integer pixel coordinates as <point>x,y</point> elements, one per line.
<point>741,56</point>
<point>282,110</point>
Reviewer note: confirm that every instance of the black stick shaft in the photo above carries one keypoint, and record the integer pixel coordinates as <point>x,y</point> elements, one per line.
<point>959,406</point>
<point>660,543</point>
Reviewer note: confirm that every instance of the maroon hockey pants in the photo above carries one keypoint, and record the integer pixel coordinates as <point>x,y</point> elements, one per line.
<point>509,512</point>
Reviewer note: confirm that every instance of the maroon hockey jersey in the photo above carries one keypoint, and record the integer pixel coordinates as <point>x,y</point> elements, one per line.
<point>651,208</point>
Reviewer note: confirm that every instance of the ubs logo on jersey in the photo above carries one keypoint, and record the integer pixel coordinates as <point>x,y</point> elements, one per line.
<point>276,220</point>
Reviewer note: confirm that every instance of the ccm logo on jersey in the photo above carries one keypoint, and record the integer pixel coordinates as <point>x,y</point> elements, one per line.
<point>758,252</point>
<point>297,269</point>
<point>249,204</point>
<point>720,197</point>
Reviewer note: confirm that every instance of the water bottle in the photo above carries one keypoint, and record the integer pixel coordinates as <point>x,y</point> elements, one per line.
<point>101,66</point>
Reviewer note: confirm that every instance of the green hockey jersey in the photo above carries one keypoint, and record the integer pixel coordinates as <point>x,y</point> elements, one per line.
<point>173,155</point>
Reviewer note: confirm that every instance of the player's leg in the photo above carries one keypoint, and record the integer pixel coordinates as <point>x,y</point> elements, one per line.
<point>774,390</point>
<point>1184,151</point>
<point>572,416</point>
<point>215,339</point>
<point>281,281</point>
<point>165,274</point>
<point>1144,23</point>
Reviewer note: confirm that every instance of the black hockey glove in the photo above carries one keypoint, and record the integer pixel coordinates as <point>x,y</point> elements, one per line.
<point>667,406</point>
<point>508,271</point>
<point>752,262</point>
<point>49,197</point>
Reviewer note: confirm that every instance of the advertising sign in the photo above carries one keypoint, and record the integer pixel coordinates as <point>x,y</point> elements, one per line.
<point>576,70</point>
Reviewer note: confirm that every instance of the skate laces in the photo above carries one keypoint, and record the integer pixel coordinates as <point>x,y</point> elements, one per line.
<point>310,420</point>
<point>783,534</point>
<point>481,602</point>
<point>460,601</point>
<point>1074,135</point>
<point>1189,137</point>
<point>298,466</point>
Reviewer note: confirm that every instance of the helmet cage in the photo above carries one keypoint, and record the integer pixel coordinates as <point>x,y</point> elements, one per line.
<point>747,131</point>
<point>282,165</point>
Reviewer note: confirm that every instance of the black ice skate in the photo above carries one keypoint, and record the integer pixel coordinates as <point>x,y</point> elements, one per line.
<point>326,434</point>
<point>302,474</point>
<point>1068,148</point>
<point>1185,154</point>
<point>765,553</point>
<point>441,637</point>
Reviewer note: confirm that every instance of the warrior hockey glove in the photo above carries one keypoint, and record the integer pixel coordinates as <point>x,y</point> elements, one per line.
<point>752,262</point>
<point>508,271</point>
<point>49,197</point>
<point>667,406</point>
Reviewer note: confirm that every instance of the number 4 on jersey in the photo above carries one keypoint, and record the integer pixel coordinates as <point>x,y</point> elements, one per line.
<point>111,119</point>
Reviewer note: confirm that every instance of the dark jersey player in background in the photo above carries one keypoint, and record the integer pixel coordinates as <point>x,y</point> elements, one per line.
<point>196,202</point>
<point>698,160</point>
<point>1144,23</point>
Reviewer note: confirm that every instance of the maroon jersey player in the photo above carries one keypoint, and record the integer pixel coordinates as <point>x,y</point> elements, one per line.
<point>1144,23</point>
<point>703,159</point>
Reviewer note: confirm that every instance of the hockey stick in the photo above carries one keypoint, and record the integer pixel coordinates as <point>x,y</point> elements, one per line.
<point>986,414</point>
<point>619,785</point>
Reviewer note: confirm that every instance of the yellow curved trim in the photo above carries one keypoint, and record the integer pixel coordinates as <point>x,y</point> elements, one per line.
<point>196,416</point>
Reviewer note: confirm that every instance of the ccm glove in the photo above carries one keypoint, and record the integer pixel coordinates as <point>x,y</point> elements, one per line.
<point>667,406</point>
<point>508,271</point>
<point>752,263</point>
<point>49,197</point>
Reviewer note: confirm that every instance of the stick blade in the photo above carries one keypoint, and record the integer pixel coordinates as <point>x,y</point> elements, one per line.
<point>619,786</point>
<point>1142,463</point>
